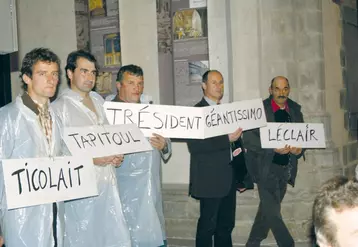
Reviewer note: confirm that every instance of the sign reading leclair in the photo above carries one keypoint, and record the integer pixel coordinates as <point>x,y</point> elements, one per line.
<point>99,141</point>
<point>303,135</point>
<point>36,181</point>
<point>188,122</point>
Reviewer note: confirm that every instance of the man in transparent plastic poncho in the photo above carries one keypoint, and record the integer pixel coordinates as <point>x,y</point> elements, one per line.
<point>139,176</point>
<point>95,221</point>
<point>29,129</point>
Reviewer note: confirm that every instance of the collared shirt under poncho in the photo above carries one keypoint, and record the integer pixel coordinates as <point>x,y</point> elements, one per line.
<point>95,221</point>
<point>21,136</point>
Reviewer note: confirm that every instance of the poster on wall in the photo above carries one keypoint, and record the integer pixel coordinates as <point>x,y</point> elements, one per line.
<point>97,8</point>
<point>190,49</point>
<point>190,24</point>
<point>105,44</point>
<point>197,3</point>
<point>196,71</point>
<point>112,49</point>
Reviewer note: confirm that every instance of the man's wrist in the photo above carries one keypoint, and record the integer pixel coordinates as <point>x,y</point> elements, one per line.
<point>165,150</point>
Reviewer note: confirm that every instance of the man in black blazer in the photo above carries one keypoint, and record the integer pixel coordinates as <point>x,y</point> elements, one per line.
<point>272,169</point>
<point>211,175</point>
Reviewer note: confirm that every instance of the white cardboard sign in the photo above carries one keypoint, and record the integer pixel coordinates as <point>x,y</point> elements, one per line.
<point>105,140</point>
<point>303,135</point>
<point>226,118</point>
<point>36,181</point>
<point>188,122</point>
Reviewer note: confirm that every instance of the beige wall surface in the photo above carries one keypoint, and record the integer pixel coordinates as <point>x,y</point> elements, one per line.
<point>332,34</point>
<point>45,23</point>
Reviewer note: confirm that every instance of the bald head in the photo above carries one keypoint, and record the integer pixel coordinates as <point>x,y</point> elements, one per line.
<point>209,72</point>
<point>213,85</point>
<point>279,78</point>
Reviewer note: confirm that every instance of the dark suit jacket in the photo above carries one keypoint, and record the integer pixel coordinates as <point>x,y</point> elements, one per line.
<point>259,160</point>
<point>242,177</point>
<point>210,171</point>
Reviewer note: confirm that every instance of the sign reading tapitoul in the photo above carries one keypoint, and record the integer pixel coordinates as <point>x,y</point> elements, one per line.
<point>36,181</point>
<point>188,122</point>
<point>105,140</point>
<point>303,135</point>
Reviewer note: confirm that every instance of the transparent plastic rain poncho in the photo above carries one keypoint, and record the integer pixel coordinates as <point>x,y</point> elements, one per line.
<point>23,137</point>
<point>139,185</point>
<point>95,221</point>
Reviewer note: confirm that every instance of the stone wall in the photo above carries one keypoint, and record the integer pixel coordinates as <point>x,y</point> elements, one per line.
<point>300,40</point>
<point>280,37</point>
<point>348,99</point>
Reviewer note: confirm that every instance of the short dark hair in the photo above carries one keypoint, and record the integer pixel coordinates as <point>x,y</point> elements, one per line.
<point>34,56</point>
<point>131,69</point>
<point>72,58</point>
<point>206,74</point>
<point>338,194</point>
<point>274,79</point>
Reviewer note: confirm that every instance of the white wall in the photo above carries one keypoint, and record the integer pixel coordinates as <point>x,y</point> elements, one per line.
<point>219,39</point>
<point>138,25</point>
<point>45,23</point>
<point>15,85</point>
<point>176,171</point>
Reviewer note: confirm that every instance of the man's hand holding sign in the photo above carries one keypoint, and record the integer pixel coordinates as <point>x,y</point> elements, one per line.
<point>235,135</point>
<point>158,142</point>
<point>115,160</point>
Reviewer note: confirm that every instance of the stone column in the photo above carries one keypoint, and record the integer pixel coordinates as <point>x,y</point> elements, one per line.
<point>138,29</point>
<point>246,51</point>
<point>219,39</point>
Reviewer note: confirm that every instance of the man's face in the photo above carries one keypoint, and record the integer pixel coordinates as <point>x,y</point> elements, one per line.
<point>280,90</point>
<point>346,223</point>
<point>83,78</point>
<point>42,85</point>
<point>131,88</point>
<point>214,87</point>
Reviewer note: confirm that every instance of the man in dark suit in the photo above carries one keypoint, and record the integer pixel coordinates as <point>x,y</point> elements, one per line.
<point>211,175</point>
<point>272,169</point>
